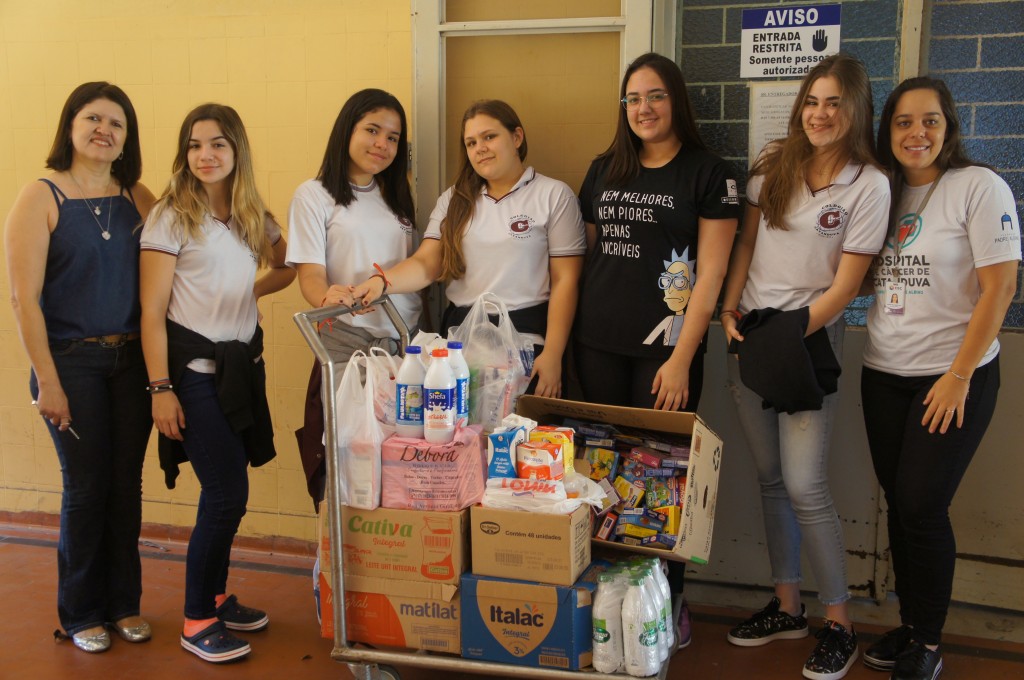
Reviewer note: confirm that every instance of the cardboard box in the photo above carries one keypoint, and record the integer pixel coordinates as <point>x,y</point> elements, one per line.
<point>527,624</point>
<point>698,515</point>
<point>389,613</point>
<point>531,545</point>
<point>411,545</point>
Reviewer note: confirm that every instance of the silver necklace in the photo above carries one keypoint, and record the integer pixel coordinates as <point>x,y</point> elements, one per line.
<point>97,210</point>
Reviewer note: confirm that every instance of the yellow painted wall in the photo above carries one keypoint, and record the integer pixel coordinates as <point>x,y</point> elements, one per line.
<point>287,67</point>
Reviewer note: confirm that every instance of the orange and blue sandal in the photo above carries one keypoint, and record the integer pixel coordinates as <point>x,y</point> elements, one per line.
<point>215,644</point>
<point>237,616</point>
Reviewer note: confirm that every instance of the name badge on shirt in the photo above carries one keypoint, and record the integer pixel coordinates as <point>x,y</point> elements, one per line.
<point>895,297</point>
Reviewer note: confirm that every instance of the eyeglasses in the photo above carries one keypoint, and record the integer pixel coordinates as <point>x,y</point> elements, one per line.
<point>678,281</point>
<point>632,101</point>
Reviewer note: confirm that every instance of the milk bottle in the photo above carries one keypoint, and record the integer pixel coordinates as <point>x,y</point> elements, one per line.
<point>409,395</point>
<point>439,389</point>
<point>608,624</point>
<point>461,370</point>
<point>639,631</point>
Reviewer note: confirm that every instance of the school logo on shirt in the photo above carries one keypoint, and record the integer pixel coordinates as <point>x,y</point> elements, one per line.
<point>831,220</point>
<point>732,196</point>
<point>406,224</point>
<point>520,226</point>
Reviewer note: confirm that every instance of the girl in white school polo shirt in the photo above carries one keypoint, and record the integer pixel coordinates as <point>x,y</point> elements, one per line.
<point>504,228</point>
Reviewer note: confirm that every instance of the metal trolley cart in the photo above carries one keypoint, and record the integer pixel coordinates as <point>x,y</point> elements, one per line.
<point>372,664</point>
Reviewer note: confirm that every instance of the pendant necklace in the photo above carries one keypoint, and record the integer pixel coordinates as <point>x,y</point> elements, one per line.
<point>97,209</point>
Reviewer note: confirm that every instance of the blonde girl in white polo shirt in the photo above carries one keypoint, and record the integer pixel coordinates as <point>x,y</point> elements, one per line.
<point>504,228</point>
<point>201,248</point>
<point>816,214</point>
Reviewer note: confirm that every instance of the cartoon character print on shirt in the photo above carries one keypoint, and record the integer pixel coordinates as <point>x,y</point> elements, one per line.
<point>677,283</point>
<point>914,269</point>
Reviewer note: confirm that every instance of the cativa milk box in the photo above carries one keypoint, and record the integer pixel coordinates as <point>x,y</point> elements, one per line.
<point>410,545</point>
<point>692,541</point>
<point>528,624</point>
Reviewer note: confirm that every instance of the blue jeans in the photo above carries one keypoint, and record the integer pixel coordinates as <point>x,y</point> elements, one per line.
<point>218,458</point>
<point>791,456</point>
<point>99,575</point>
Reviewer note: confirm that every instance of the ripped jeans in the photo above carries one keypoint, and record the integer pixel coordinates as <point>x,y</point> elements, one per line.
<point>791,456</point>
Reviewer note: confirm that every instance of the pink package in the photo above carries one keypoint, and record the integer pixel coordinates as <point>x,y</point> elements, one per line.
<point>418,475</point>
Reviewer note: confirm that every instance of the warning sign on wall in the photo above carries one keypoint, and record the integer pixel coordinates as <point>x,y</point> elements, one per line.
<point>787,41</point>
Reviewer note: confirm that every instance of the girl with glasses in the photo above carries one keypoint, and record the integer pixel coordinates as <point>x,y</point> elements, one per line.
<point>816,210</point>
<point>661,212</point>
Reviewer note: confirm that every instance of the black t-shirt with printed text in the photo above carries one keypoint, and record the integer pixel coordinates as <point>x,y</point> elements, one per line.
<point>639,275</point>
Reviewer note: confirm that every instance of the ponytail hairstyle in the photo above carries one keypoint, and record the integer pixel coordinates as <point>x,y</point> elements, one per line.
<point>784,162</point>
<point>952,154</point>
<point>623,154</point>
<point>186,198</point>
<point>393,180</point>
<point>468,186</point>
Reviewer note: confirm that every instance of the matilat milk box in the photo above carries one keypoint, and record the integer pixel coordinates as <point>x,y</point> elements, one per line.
<point>526,623</point>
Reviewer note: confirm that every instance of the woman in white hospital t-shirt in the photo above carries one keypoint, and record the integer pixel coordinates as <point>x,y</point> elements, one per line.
<point>202,246</point>
<point>942,286</point>
<point>504,228</point>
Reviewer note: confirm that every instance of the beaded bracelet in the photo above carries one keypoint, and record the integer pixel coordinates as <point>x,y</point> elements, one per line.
<point>156,389</point>
<point>957,376</point>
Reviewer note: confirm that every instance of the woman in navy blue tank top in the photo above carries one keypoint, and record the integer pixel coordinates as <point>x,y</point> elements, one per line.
<point>72,243</point>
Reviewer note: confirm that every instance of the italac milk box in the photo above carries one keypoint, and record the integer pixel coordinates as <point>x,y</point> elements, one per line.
<point>527,624</point>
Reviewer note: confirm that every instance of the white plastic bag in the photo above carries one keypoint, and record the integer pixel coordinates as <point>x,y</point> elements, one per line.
<point>384,368</point>
<point>499,359</point>
<point>537,495</point>
<point>359,436</point>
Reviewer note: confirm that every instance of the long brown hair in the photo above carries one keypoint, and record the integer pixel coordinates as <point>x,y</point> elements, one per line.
<point>952,154</point>
<point>467,188</point>
<point>187,199</point>
<point>623,154</point>
<point>784,162</point>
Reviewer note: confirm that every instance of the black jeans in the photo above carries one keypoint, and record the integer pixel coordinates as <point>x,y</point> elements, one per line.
<point>99,575</point>
<point>620,380</point>
<point>219,461</point>
<point>919,474</point>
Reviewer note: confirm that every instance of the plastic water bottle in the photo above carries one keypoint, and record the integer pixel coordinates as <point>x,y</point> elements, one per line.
<point>461,370</point>
<point>439,388</point>
<point>608,624</point>
<point>653,593</point>
<point>639,631</point>
<point>666,594</point>
<point>409,395</point>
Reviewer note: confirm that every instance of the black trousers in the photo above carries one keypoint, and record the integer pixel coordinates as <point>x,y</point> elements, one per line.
<point>620,380</point>
<point>919,474</point>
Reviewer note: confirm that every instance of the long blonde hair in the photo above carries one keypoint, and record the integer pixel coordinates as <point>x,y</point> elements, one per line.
<point>467,188</point>
<point>784,163</point>
<point>187,199</point>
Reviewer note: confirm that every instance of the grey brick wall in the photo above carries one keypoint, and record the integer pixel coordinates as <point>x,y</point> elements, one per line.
<point>976,47</point>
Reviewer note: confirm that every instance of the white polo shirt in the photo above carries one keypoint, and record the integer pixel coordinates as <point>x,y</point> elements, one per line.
<point>970,222</point>
<point>793,267</point>
<point>347,240</point>
<point>509,241</point>
<point>212,291</point>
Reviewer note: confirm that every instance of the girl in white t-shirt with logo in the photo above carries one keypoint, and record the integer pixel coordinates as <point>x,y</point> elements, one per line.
<point>357,213</point>
<point>815,218</point>
<point>202,246</point>
<point>503,228</point>
<point>943,284</point>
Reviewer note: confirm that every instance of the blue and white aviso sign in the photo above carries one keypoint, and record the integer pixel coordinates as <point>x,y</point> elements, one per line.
<point>785,41</point>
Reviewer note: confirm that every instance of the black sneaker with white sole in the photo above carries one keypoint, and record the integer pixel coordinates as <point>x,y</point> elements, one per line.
<point>236,616</point>
<point>881,656</point>
<point>917,662</point>
<point>767,625</point>
<point>835,653</point>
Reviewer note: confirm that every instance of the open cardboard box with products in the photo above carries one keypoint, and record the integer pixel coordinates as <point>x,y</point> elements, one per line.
<point>693,541</point>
